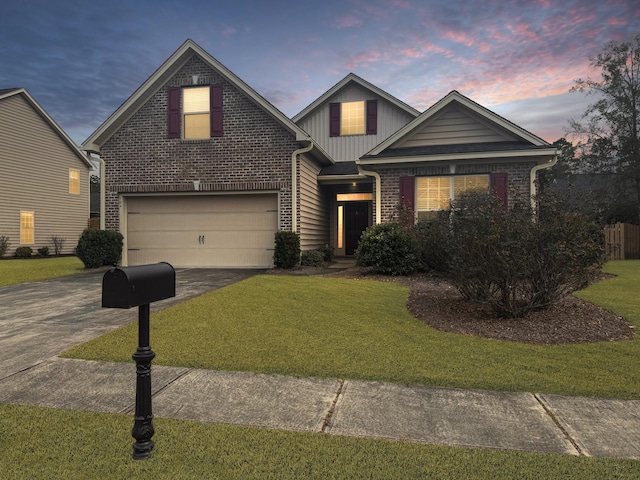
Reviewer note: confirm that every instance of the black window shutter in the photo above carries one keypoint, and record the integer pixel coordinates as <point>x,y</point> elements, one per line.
<point>499,187</point>
<point>216,111</point>
<point>372,117</point>
<point>334,119</point>
<point>407,192</point>
<point>174,113</point>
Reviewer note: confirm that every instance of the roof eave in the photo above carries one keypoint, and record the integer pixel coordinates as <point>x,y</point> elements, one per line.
<point>450,157</point>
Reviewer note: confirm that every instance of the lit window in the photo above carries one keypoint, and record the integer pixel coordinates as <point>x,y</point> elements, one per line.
<point>27,225</point>
<point>74,181</point>
<point>340,225</point>
<point>352,118</point>
<point>436,193</point>
<point>350,197</point>
<point>196,107</point>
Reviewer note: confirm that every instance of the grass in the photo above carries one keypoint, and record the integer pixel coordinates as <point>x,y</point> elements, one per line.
<point>40,443</point>
<point>358,329</point>
<point>31,270</point>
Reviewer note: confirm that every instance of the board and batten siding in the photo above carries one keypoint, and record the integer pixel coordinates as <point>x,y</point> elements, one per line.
<point>313,212</point>
<point>35,165</point>
<point>352,147</point>
<point>455,125</point>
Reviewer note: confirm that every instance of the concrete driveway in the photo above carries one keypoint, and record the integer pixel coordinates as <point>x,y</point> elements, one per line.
<point>41,319</point>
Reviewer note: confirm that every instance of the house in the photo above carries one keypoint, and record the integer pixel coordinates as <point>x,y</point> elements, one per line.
<point>200,170</point>
<point>44,186</point>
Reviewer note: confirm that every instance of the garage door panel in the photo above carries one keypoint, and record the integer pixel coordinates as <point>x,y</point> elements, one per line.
<point>213,231</point>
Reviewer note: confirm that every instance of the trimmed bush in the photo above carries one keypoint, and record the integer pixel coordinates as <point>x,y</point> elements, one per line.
<point>312,258</point>
<point>43,251</point>
<point>287,249</point>
<point>4,244</point>
<point>388,248</point>
<point>327,252</point>
<point>23,252</point>
<point>516,261</point>
<point>97,248</point>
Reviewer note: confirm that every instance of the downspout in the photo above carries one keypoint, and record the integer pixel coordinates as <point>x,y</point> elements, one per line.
<point>294,184</point>
<point>103,203</point>
<point>375,175</point>
<point>533,176</point>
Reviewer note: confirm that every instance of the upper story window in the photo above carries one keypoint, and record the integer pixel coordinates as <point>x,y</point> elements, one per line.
<point>353,118</point>
<point>195,112</point>
<point>74,181</point>
<point>27,228</point>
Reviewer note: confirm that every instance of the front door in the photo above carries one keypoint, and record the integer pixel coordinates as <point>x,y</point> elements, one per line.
<point>356,221</point>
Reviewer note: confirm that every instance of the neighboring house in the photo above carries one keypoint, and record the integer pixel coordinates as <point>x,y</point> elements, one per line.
<point>200,170</point>
<point>44,185</point>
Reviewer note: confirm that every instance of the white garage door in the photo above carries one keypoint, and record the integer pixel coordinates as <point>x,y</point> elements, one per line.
<point>202,230</point>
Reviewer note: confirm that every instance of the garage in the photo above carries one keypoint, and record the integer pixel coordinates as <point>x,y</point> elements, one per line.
<point>202,230</point>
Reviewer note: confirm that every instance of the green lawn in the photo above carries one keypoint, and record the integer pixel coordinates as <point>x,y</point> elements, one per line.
<point>40,443</point>
<point>32,270</point>
<point>359,329</point>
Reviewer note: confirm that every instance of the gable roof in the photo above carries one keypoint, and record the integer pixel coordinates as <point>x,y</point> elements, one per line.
<point>527,144</point>
<point>353,78</point>
<point>10,92</point>
<point>159,79</point>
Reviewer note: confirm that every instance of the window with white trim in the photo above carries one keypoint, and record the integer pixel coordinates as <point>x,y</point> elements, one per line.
<point>352,118</point>
<point>196,112</point>
<point>27,228</point>
<point>436,193</point>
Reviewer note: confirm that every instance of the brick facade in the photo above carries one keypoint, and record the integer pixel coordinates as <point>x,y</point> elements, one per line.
<point>253,155</point>
<point>518,178</point>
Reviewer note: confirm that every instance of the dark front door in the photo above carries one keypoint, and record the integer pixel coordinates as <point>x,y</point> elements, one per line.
<point>356,221</point>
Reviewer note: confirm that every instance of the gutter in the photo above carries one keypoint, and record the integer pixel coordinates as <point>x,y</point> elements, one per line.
<point>294,184</point>
<point>376,176</point>
<point>533,178</point>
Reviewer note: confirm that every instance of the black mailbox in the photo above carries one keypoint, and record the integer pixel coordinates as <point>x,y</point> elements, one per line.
<point>126,287</point>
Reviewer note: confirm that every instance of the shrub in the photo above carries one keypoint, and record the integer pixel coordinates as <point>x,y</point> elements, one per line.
<point>287,249</point>
<point>388,248</point>
<point>43,251</point>
<point>432,241</point>
<point>327,252</point>
<point>58,243</point>
<point>4,245</point>
<point>99,247</point>
<point>312,258</point>
<point>23,252</point>
<point>516,262</point>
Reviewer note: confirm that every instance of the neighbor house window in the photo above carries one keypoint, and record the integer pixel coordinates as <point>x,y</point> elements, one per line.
<point>353,118</point>
<point>436,193</point>
<point>27,225</point>
<point>74,181</point>
<point>195,112</point>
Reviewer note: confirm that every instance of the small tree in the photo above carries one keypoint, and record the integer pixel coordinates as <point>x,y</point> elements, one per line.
<point>58,244</point>
<point>4,244</point>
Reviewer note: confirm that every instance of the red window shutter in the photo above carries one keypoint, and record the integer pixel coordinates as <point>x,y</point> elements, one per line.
<point>174,113</point>
<point>407,192</point>
<point>216,111</point>
<point>334,119</point>
<point>372,117</point>
<point>499,187</point>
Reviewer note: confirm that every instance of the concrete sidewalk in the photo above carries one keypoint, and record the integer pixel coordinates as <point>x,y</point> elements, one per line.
<point>445,416</point>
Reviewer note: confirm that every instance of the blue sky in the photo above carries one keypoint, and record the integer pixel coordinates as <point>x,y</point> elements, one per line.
<point>81,59</point>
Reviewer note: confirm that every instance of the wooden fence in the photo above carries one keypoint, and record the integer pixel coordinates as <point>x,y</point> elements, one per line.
<point>622,241</point>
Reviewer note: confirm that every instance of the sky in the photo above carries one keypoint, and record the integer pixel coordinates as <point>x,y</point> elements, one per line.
<point>81,59</point>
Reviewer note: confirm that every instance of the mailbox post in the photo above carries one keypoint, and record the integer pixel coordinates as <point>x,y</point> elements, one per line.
<point>126,287</point>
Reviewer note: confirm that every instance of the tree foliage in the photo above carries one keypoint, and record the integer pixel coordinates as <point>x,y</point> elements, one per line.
<point>609,131</point>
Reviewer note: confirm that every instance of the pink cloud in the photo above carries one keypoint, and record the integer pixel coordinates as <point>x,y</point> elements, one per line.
<point>228,31</point>
<point>347,21</point>
<point>617,21</point>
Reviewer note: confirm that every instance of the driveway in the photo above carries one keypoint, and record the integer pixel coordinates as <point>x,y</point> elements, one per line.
<point>42,319</point>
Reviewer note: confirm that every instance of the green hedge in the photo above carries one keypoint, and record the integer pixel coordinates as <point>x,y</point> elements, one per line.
<point>99,247</point>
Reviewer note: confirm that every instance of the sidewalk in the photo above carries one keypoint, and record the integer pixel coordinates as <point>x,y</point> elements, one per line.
<point>445,416</point>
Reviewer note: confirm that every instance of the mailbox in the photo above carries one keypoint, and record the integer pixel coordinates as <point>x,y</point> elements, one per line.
<point>126,287</point>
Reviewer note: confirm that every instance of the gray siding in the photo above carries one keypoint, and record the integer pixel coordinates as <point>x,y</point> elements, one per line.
<point>350,148</point>
<point>456,125</point>
<point>314,210</point>
<point>35,164</point>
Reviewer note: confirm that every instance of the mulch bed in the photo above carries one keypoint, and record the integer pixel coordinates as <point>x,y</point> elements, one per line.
<point>441,306</point>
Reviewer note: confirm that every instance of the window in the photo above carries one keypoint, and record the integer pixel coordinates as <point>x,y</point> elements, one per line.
<point>27,225</point>
<point>195,112</point>
<point>435,193</point>
<point>353,118</point>
<point>74,181</point>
